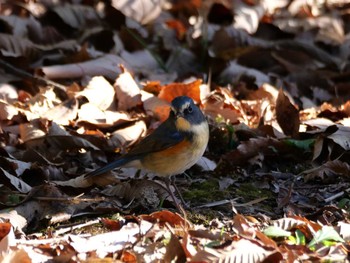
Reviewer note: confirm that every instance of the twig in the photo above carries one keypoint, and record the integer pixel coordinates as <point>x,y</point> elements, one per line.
<point>331,198</point>
<point>65,199</point>
<point>223,202</point>
<point>71,228</point>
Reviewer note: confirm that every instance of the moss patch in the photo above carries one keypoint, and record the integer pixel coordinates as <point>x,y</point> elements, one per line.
<point>205,192</point>
<point>249,192</point>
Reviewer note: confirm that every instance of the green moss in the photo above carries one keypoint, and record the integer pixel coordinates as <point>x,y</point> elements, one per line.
<point>249,192</point>
<point>204,217</point>
<point>205,192</point>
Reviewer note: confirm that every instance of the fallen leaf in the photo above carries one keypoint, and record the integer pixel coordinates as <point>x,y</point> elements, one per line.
<point>328,169</point>
<point>106,66</point>
<point>99,93</point>
<point>173,90</point>
<point>4,230</point>
<point>13,181</point>
<point>142,12</point>
<point>64,113</point>
<point>127,91</point>
<point>166,216</point>
<point>287,115</point>
<point>174,250</point>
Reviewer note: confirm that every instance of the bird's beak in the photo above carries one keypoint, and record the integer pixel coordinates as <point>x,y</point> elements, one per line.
<point>178,115</point>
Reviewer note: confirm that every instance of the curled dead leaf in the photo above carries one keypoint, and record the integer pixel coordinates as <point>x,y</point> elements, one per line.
<point>287,115</point>
<point>127,91</point>
<point>173,90</point>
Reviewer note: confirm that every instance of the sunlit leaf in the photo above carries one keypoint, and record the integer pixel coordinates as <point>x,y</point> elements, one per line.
<point>327,233</point>
<point>300,237</point>
<point>275,231</point>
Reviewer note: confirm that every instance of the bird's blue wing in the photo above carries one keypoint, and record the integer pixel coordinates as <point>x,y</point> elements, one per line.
<point>162,138</point>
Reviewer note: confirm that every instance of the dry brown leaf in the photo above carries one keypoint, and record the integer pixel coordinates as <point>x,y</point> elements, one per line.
<point>14,165</point>
<point>173,90</point>
<point>205,164</point>
<point>327,129</point>
<point>155,106</point>
<point>92,117</point>
<point>140,61</point>
<point>268,242</point>
<point>8,93</point>
<point>128,257</point>
<point>33,130</point>
<point>243,226</point>
<point>287,115</point>
<point>153,87</point>
<point>7,111</point>
<point>14,46</point>
<point>63,113</point>
<point>178,26</point>
<point>242,250</point>
<point>165,216</point>
<point>77,16</point>
<point>129,135</point>
<point>336,252</point>
<point>328,169</point>
<point>127,91</point>
<point>99,93</point>
<point>344,230</point>
<point>141,11</point>
<point>112,224</point>
<point>146,193</point>
<point>266,91</point>
<point>327,28</point>
<point>110,242</point>
<point>341,137</point>
<point>13,181</point>
<point>52,146</point>
<point>106,66</point>
<point>234,71</point>
<point>20,255</point>
<point>288,223</point>
<point>174,250</point>
<point>222,104</point>
<point>83,182</point>
<point>4,230</point>
<point>248,17</point>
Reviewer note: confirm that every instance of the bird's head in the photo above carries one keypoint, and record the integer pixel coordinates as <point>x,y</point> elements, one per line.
<point>186,114</point>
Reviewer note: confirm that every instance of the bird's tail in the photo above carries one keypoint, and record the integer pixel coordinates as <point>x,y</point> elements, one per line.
<point>109,167</point>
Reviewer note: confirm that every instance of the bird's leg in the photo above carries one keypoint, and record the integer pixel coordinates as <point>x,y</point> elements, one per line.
<point>178,192</point>
<point>169,181</point>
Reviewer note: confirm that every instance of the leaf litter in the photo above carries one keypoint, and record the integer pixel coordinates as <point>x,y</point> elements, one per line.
<point>82,83</point>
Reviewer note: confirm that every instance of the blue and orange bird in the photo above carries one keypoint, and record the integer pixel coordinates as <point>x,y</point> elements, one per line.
<point>175,146</point>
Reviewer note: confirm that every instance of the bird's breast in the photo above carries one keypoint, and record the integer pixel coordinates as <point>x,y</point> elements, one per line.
<point>180,157</point>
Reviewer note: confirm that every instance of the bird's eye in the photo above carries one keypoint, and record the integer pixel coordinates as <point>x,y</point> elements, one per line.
<point>188,110</point>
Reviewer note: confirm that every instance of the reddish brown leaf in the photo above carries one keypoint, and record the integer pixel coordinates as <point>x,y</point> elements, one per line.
<point>173,90</point>
<point>165,216</point>
<point>128,257</point>
<point>287,115</point>
<point>174,250</point>
<point>112,224</point>
<point>178,26</point>
<point>4,229</point>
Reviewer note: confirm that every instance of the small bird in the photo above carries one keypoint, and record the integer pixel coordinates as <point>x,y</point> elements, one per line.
<point>175,146</point>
